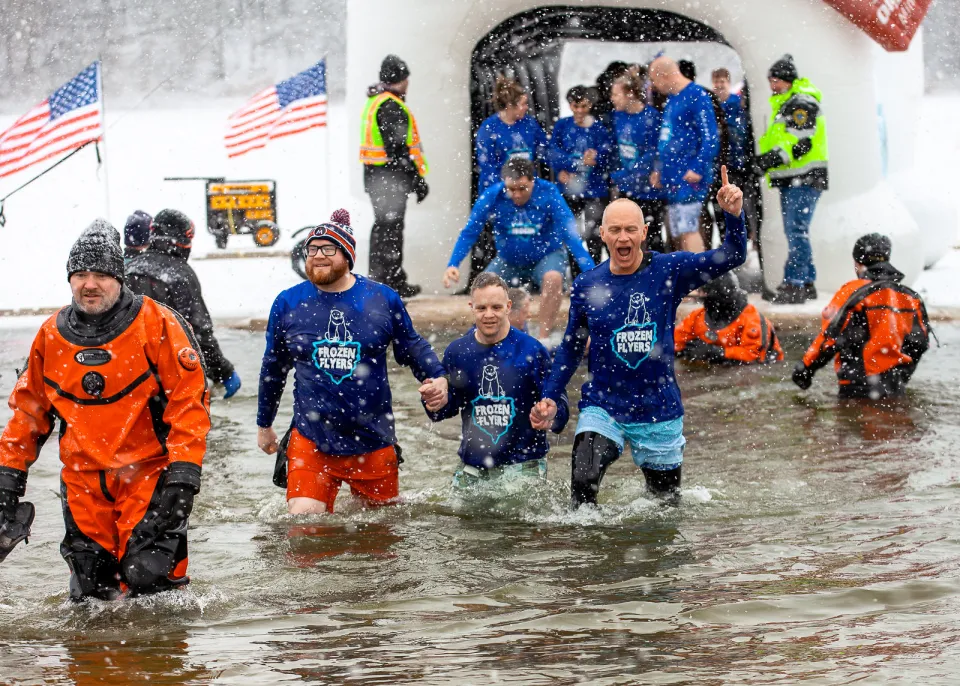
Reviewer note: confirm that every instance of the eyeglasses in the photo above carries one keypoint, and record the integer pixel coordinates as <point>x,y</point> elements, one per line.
<point>327,250</point>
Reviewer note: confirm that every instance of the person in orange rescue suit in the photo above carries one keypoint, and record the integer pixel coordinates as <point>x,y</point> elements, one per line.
<point>124,377</point>
<point>876,328</point>
<point>727,329</point>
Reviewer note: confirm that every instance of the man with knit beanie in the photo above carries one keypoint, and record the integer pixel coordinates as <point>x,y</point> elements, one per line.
<point>393,167</point>
<point>136,234</point>
<point>163,274</point>
<point>334,331</point>
<point>875,329</point>
<point>122,374</point>
<point>793,154</point>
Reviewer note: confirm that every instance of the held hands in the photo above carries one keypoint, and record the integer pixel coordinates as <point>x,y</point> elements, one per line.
<point>655,180</point>
<point>692,177</point>
<point>451,276</point>
<point>434,393</point>
<point>590,157</point>
<point>564,177</point>
<point>543,414</point>
<point>729,197</point>
<point>267,440</point>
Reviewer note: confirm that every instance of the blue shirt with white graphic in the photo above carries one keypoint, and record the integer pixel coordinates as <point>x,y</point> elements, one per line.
<point>336,343</point>
<point>637,136</point>
<point>629,321</point>
<point>498,141</point>
<point>568,142</point>
<point>689,141</point>
<point>494,387</point>
<point>523,234</point>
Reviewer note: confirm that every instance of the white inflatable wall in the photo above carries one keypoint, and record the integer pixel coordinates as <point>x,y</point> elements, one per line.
<point>437,38</point>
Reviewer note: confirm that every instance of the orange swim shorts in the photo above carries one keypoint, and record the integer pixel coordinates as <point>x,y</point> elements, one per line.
<point>312,474</point>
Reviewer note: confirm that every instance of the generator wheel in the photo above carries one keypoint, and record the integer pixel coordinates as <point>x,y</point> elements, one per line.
<point>265,233</point>
<point>221,238</point>
<point>297,257</point>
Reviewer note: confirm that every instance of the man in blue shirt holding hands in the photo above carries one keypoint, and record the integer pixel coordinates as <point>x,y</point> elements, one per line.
<point>496,376</point>
<point>627,307</point>
<point>531,225</point>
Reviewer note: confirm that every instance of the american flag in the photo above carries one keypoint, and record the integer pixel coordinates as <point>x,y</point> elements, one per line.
<point>69,118</point>
<point>291,106</point>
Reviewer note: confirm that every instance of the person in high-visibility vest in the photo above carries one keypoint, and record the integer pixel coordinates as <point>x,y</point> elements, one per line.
<point>793,153</point>
<point>393,166</point>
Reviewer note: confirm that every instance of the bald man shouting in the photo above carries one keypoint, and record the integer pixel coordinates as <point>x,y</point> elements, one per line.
<point>627,307</point>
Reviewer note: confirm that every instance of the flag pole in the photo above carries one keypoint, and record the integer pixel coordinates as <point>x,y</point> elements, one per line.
<point>103,136</point>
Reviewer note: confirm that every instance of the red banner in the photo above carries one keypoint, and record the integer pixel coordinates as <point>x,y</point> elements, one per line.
<point>892,23</point>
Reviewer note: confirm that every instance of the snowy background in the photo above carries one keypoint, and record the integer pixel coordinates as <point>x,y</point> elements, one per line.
<point>173,71</point>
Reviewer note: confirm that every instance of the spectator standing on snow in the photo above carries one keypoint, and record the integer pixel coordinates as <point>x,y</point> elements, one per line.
<point>393,167</point>
<point>689,144</point>
<point>793,153</point>
<point>162,273</point>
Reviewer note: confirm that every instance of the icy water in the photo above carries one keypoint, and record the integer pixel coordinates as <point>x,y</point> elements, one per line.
<point>816,543</point>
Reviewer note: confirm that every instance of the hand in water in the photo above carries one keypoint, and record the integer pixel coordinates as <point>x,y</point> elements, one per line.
<point>543,414</point>
<point>434,394</point>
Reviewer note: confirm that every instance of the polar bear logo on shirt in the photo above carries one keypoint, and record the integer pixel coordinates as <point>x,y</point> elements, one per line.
<point>637,311</point>
<point>337,330</point>
<point>490,382</point>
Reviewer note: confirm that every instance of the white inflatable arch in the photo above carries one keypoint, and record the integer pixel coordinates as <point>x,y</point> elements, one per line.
<point>445,43</point>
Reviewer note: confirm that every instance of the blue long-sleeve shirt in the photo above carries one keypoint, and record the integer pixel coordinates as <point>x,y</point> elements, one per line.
<point>689,141</point>
<point>336,344</point>
<point>637,137</point>
<point>497,142</point>
<point>568,142</point>
<point>493,388</point>
<point>629,320</point>
<point>523,234</point>
<point>737,131</point>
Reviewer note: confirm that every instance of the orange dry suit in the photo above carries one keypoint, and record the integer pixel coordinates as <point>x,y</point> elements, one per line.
<point>877,330</point>
<point>727,328</point>
<point>129,390</point>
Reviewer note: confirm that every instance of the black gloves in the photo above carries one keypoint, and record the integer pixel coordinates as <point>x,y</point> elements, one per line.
<point>703,351</point>
<point>15,517</point>
<point>421,188</point>
<point>803,146</point>
<point>802,376</point>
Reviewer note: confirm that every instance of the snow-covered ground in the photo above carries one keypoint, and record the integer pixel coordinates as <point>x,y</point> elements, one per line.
<point>312,171</point>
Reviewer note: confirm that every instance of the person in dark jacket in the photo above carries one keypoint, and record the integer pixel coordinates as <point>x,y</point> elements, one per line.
<point>163,274</point>
<point>393,167</point>
<point>136,235</point>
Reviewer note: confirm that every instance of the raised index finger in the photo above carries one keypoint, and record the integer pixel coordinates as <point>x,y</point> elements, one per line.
<point>723,175</point>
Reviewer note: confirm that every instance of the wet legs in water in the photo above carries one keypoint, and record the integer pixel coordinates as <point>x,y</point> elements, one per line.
<point>594,453</point>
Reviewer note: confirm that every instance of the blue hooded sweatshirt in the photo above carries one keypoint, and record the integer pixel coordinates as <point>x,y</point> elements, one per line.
<point>568,142</point>
<point>637,136</point>
<point>497,142</point>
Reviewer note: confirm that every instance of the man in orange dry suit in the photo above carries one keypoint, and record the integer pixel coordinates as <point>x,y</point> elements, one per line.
<point>727,328</point>
<point>875,327</point>
<point>123,376</point>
